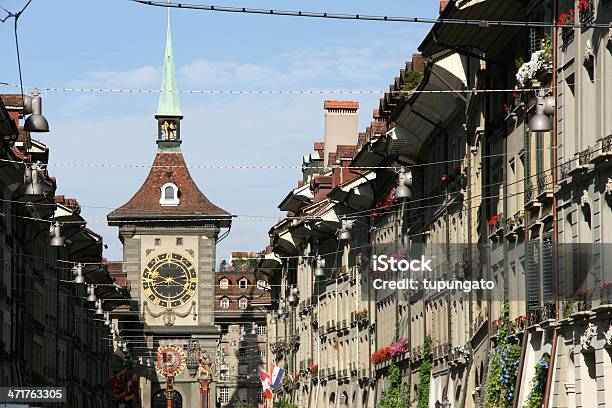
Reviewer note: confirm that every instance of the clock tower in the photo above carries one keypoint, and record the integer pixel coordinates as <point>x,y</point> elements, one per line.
<point>169,231</point>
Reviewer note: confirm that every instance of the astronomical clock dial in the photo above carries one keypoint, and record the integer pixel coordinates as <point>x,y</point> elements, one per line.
<point>169,280</point>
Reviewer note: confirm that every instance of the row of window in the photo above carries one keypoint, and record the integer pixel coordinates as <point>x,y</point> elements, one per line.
<point>243,303</point>
<point>243,283</point>
<point>179,241</point>
<point>224,394</point>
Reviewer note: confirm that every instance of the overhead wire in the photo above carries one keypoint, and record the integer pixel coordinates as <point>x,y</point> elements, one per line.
<point>481,23</point>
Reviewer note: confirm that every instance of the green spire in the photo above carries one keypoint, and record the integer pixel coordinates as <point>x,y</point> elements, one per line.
<point>168,98</point>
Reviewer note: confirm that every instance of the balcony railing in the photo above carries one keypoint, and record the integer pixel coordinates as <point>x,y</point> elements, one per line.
<point>606,144</point>
<point>545,184</point>
<point>585,156</point>
<point>541,314</point>
<point>564,170</point>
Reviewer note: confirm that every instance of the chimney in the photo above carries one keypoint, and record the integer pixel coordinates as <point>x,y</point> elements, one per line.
<point>340,125</point>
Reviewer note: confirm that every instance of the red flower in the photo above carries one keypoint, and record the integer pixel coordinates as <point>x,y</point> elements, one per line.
<point>493,220</point>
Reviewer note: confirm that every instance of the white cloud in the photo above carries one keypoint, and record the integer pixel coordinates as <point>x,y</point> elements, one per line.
<point>132,78</point>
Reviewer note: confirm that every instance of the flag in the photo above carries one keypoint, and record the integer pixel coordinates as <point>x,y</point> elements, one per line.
<point>131,386</point>
<point>276,374</point>
<point>266,381</point>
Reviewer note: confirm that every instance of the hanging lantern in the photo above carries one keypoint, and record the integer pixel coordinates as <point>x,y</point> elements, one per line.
<point>91,291</point>
<point>320,264</point>
<point>125,348</point>
<point>107,320</point>
<point>540,121</point>
<point>99,310</point>
<point>254,329</point>
<point>273,319</point>
<point>34,187</point>
<point>36,122</point>
<point>55,232</point>
<point>77,271</point>
<point>294,296</point>
<point>345,231</point>
<point>404,182</point>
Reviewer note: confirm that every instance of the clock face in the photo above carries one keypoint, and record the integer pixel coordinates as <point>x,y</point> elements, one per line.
<point>169,280</point>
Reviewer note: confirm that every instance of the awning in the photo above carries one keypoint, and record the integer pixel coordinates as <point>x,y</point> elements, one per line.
<point>357,194</point>
<point>286,244</point>
<point>327,221</point>
<point>267,266</point>
<point>372,154</point>
<point>297,199</point>
<point>487,39</point>
<point>425,114</point>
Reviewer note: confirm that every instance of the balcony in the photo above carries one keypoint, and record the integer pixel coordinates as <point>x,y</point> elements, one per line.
<point>580,164</point>
<point>586,9</point>
<point>545,187</point>
<point>515,225</point>
<point>496,227</point>
<point>604,152</point>
<point>541,314</point>
<point>530,194</point>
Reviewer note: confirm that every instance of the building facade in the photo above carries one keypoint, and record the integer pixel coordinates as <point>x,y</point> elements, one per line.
<point>241,310</point>
<point>49,335</point>
<point>512,187</point>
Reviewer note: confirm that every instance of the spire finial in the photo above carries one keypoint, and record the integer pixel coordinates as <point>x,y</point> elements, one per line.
<point>168,99</point>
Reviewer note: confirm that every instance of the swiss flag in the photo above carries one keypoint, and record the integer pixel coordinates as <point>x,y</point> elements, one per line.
<point>266,381</point>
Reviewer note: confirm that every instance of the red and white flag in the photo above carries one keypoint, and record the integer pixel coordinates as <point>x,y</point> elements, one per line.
<point>266,383</point>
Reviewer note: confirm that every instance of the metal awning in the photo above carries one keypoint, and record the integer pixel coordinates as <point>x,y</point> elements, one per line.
<point>425,114</point>
<point>357,194</point>
<point>297,199</point>
<point>327,220</point>
<point>372,154</point>
<point>487,39</point>
<point>286,244</point>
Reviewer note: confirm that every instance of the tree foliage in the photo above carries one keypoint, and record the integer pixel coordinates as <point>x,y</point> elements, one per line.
<point>396,395</point>
<point>424,375</point>
<point>503,367</point>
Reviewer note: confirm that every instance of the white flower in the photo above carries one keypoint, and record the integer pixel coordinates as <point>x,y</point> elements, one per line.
<point>587,337</point>
<point>540,60</point>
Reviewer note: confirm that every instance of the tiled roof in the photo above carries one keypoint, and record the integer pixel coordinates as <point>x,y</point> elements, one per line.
<point>71,203</point>
<point>11,100</point>
<point>346,151</point>
<point>168,167</point>
<point>341,105</point>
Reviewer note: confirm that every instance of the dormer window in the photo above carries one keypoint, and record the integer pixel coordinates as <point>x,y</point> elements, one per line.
<point>169,195</point>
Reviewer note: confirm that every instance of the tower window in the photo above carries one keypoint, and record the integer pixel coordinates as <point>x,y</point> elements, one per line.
<point>169,195</point>
<point>179,241</point>
<point>157,241</point>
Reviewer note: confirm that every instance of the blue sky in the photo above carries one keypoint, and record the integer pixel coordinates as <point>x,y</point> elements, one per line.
<point>119,44</point>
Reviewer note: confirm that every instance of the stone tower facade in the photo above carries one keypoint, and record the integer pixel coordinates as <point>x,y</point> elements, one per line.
<point>169,231</point>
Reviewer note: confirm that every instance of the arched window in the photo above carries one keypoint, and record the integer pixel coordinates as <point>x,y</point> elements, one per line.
<point>169,195</point>
<point>243,303</point>
<point>224,283</point>
<point>224,303</point>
